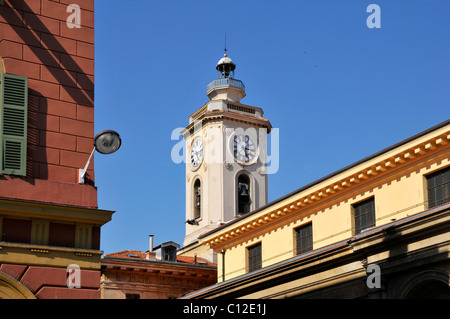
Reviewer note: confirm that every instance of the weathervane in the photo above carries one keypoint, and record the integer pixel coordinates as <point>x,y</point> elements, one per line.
<point>225,44</point>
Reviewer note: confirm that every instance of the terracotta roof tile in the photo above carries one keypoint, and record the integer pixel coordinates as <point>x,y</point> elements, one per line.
<point>136,254</point>
<point>192,260</point>
<point>132,254</point>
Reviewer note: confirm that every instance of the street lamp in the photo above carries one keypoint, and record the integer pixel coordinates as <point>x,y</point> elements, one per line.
<point>105,142</point>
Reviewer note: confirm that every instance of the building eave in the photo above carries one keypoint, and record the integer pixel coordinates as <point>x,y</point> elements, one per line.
<point>34,209</point>
<point>210,116</point>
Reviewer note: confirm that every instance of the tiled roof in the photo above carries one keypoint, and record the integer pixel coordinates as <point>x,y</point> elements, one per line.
<point>194,260</point>
<point>136,254</point>
<point>132,254</point>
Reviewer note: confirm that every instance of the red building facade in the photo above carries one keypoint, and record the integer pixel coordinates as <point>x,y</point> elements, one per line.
<point>133,274</point>
<point>49,222</point>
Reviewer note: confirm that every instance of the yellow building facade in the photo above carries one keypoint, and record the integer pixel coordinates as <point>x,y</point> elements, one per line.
<point>389,210</point>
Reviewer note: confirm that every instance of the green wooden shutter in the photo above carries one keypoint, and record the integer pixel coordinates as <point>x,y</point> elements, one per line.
<point>13,124</point>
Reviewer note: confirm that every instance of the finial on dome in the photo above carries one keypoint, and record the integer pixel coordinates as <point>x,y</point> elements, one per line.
<point>225,45</point>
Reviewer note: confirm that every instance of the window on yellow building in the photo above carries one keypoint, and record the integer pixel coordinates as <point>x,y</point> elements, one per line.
<point>303,239</point>
<point>254,257</point>
<point>438,187</point>
<point>364,215</point>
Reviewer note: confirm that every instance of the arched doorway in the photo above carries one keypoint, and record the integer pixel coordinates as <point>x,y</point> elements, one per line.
<point>428,285</point>
<point>429,289</point>
<point>12,289</point>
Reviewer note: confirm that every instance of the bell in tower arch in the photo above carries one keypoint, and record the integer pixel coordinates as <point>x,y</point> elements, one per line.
<point>244,199</point>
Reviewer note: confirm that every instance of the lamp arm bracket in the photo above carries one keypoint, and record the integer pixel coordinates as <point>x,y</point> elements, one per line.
<point>82,171</point>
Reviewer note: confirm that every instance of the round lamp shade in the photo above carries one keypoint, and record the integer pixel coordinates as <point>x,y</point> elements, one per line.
<point>107,142</point>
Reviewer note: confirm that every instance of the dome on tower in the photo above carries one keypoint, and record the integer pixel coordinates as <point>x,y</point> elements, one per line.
<point>225,60</point>
<point>225,66</point>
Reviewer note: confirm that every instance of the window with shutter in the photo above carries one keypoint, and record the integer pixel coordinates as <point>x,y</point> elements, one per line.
<point>254,257</point>
<point>364,215</point>
<point>13,124</point>
<point>303,236</point>
<point>438,187</point>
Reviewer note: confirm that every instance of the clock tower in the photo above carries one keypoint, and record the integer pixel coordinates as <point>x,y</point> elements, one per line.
<point>226,159</point>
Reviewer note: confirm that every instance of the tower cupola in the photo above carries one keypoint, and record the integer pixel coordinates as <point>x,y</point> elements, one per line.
<point>226,87</point>
<point>225,67</point>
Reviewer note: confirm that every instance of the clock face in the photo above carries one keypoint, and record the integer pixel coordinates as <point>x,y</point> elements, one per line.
<point>197,153</point>
<point>244,149</point>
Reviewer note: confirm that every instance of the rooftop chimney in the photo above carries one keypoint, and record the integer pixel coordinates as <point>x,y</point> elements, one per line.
<point>150,254</point>
<point>150,248</point>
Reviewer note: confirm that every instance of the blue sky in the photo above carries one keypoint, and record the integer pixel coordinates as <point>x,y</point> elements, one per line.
<point>337,90</point>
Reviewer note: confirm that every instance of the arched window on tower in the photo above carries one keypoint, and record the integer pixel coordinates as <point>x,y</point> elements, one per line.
<point>244,196</point>
<point>197,199</point>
